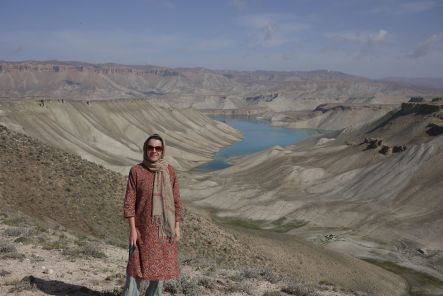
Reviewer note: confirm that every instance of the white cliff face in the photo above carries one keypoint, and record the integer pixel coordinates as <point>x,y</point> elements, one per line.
<point>112,133</point>
<point>199,88</point>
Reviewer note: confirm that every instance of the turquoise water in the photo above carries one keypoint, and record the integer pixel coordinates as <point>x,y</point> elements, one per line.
<point>258,135</point>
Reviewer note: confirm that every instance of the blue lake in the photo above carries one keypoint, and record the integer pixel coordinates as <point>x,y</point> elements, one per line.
<point>257,135</point>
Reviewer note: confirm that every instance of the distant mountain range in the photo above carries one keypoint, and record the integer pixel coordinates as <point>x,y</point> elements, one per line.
<point>197,87</point>
<point>436,83</point>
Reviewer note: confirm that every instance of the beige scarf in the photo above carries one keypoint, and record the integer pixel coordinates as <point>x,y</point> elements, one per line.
<point>163,208</point>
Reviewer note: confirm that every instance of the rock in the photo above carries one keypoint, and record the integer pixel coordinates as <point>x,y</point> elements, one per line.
<point>421,251</point>
<point>259,98</point>
<point>417,99</point>
<point>434,129</point>
<point>374,143</point>
<point>422,108</point>
<point>386,150</point>
<point>399,148</point>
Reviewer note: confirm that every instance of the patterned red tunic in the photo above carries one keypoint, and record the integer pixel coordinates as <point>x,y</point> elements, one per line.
<point>154,258</point>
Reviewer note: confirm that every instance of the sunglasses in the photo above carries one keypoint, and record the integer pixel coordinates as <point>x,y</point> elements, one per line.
<point>156,148</point>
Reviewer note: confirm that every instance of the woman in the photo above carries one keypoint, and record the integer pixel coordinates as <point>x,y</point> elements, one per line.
<point>153,207</point>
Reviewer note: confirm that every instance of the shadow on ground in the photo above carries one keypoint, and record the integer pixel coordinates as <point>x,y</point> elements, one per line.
<point>59,288</point>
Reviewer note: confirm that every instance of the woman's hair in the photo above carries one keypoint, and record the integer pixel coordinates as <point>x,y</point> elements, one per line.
<point>155,137</point>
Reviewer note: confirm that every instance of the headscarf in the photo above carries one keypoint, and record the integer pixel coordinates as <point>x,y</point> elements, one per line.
<point>163,208</point>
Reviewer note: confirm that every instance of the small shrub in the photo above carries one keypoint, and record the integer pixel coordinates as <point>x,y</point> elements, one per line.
<point>23,240</point>
<point>4,273</point>
<point>9,251</point>
<point>7,248</point>
<point>260,273</point>
<point>250,273</point>
<point>188,286</point>
<point>206,282</point>
<point>247,288</point>
<point>270,276</point>
<point>83,252</point>
<point>40,229</point>
<point>15,221</point>
<point>15,255</point>
<point>183,285</point>
<point>18,231</point>
<point>236,277</point>
<point>272,293</point>
<point>36,258</point>
<point>299,289</point>
<point>91,250</point>
<point>171,287</point>
<point>232,287</point>
<point>325,283</point>
<point>55,245</point>
<point>26,284</point>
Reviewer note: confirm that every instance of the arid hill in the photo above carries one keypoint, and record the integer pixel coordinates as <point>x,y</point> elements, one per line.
<point>59,188</point>
<point>333,116</point>
<point>374,191</point>
<point>112,132</point>
<point>197,87</point>
<point>436,83</point>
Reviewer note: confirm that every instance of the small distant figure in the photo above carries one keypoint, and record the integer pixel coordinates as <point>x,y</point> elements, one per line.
<point>153,208</point>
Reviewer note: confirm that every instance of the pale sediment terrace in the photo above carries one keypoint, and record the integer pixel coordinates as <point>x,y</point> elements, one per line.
<point>111,133</point>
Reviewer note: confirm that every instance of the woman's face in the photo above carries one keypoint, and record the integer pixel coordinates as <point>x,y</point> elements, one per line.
<point>155,150</point>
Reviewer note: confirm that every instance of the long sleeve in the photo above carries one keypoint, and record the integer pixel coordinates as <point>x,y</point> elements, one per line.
<point>176,193</point>
<point>130,196</point>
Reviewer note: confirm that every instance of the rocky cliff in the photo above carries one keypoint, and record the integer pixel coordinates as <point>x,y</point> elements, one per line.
<point>196,87</point>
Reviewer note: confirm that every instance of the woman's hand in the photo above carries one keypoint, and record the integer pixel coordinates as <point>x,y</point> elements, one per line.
<point>133,237</point>
<point>177,231</point>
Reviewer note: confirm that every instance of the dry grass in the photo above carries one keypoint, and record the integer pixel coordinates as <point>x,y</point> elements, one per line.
<point>9,251</point>
<point>7,248</point>
<point>74,192</point>
<point>182,285</point>
<point>299,289</point>
<point>272,293</point>
<point>85,251</point>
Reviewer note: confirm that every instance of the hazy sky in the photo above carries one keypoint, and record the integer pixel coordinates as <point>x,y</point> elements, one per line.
<point>371,38</point>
